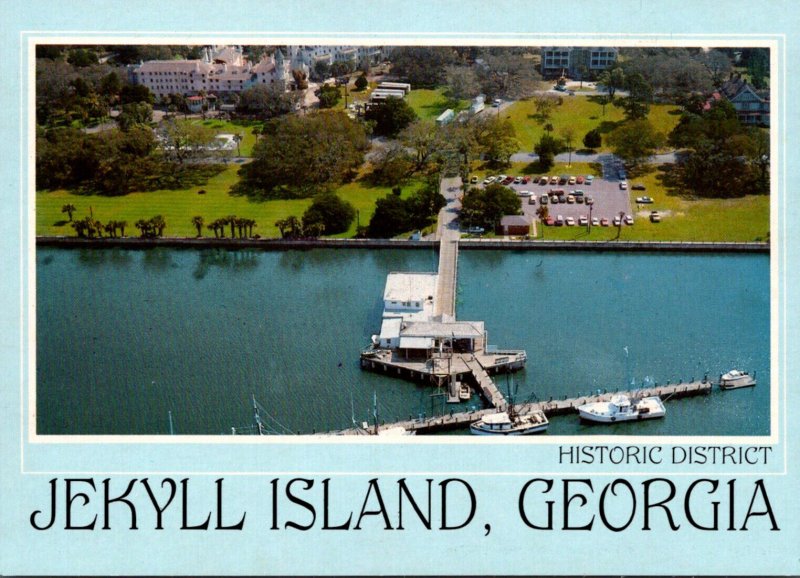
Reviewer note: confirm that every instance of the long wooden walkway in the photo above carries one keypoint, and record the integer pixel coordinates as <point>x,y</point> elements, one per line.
<point>550,408</point>
<point>486,385</point>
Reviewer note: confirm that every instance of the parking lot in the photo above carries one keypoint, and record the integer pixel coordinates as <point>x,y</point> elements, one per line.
<point>609,200</point>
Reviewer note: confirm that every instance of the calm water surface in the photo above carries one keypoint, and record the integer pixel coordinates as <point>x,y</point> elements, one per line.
<point>126,337</point>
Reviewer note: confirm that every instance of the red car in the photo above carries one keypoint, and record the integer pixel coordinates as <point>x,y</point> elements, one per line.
<point>508,180</point>
<point>526,180</point>
<point>579,180</point>
<point>549,221</point>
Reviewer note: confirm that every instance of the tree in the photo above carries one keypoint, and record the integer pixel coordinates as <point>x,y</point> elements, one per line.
<point>198,222</point>
<point>507,74</point>
<point>184,140</point>
<point>423,138</point>
<point>266,102</point>
<point>485,207</point>
<point>637,103</point>
<point>389,219</point>
<point>611,80</point>
<point>636,141</point>
<point>131,93</point>
<point>321,70</point>
<point>568,137</point>
<point>547,148</point>
<point>329,96</point>
<point>619,223</point>
<point>718,65</point>
<point>758,67</point>
<point>361,82</point>
<point>422,66</point>
<point>496,138</point>
<point>462,82</point>
<point>545,104</point>
<point>135,113</point>
<point>390,165</point>
<point>69,208</point>
<point>331,212</point>
<point>593,139</point>
<point>424,206</point>
<point>300,79</point>
<point>390,116</point>
<point>298,155</point>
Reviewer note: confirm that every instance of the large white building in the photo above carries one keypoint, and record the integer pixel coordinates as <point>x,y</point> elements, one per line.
<point>572,60</point>
<point>221,70</point>
<point>311,54</point>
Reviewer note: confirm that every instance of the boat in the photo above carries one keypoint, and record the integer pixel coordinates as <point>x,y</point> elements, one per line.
<point>510,424</point>
<point>464,392</point>
<point>735,379</point>
<point>622,408</point>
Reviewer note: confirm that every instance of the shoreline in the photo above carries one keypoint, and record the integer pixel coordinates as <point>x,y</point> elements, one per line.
<point>464,244</point>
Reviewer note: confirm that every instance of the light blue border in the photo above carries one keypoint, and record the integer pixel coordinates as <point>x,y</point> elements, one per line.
<point>510,548</point>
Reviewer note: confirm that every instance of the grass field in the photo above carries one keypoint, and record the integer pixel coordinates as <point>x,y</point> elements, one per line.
<point>429,104</point>
<point>744,219</point>
<point>178,207</point>
<point>582,113</point>
<point>245,128</point>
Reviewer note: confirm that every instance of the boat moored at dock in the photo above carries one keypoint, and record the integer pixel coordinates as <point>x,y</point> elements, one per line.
<point>622,408</point>
<point>735,379</point>
<point>510,424</point>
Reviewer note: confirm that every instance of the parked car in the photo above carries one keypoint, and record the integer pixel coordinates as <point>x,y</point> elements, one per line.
<point>623,185</point>
<point>518,181</point>
<point>543,180</point>
<point>474,180</point>
<point>544,200</point>
<point>629,219</point>
<point>475,230</point>
<point>559,221</point>
<point>549,221</point>
<point>595,221</point>
<point>655,217</point>
<point>562,180</point>
<point>562,199</point>
<point>532,200</point>
<point>524,193</point>
<point>508,180</point>
<point>554,180</point>
<point>589,200</point>
<point>617,221</point>
<point>579,179</point>
<point>644,200</point>
<point>570,199</point>
<point>488,180</point>
<point>526,179</point>
<point>578,193</point>
<point>604,222</point>
<point>571,181</point>
<point>570,222</point>
<point>588,180</point>
<point>579,199</point>
<point>554,199</point>
<point>583,221</point>
<point>638,187</point>
<point>497,102</point>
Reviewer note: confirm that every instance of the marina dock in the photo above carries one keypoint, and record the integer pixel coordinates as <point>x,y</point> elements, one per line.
<point>458,420</point>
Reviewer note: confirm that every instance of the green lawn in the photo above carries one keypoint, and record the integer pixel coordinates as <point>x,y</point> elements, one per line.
<point>178,207</point>
<point>429,104</point>
<point>243,127</point>
<point>583,114</point>
<point>745,219</point>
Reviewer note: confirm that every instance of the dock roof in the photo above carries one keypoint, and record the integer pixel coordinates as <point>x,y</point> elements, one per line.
<point>409,286</point>
<point>455,329</point>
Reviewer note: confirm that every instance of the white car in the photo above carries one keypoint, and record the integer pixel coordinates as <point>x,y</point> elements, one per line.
<point>595,222</point>
<point>623,185</point>
<point>617,221</point>
<point>570,221</point>
<point>629,219</point>
<point>524,193</point>
<point>488,180</point>
<point>583,221</point>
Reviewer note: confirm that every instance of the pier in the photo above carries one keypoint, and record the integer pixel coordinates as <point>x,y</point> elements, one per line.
<point>550,408</point>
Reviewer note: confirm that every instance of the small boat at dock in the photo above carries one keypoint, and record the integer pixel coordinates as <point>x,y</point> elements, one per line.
<point>622,408</point>
<point>510,424</point>
<point>735,379</point>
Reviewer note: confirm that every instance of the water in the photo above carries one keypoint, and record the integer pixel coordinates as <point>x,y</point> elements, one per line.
<point>125,337</point>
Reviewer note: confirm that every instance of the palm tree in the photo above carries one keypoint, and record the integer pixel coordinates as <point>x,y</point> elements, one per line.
<point>144,227</point>
<point>238,138</point>
<point>295,226</point>
<point>619,225</point>
<point>250,224</point>
<point>283,225</point>
<point>231,220</point>
<point>69,208</point>
<point>111,228</point>
<point>198,222</point>
<point>80,228</point>
<point>159,224</point>
<point>214,226</point>
<point>122,225</point>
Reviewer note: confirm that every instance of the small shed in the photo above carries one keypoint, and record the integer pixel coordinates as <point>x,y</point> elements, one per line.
<point>445,117</point>
<point>514,225</point>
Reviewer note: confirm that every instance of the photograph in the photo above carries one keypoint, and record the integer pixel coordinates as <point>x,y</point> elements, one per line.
<point>402,240</point>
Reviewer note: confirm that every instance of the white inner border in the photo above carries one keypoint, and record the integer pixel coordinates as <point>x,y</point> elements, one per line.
<point>775,42</point>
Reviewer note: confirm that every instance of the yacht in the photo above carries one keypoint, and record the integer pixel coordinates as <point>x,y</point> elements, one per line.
<point>735,379</point>
<point>622,408</point>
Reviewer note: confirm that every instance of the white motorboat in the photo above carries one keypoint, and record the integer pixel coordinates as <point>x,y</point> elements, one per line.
<point>464,392</point>
<point>735,379</point>
<point>622,408</point>
<point>505,424</point>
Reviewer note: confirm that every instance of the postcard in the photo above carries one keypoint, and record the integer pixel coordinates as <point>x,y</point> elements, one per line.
<point>399,289</point>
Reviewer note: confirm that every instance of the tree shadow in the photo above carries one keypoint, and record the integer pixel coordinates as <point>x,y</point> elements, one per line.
<point>608,125</point>
<point>60,223</point>
<point>670,178</point>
